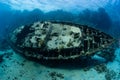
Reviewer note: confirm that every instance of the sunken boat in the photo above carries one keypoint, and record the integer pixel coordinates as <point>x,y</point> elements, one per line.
<point>58,40</point>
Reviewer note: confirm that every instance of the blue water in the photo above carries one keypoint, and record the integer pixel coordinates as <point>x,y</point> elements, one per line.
<point>104,14</point>
<point>100,14</point>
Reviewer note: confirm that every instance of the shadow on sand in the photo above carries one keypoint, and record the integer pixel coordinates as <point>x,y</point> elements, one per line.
<point>70,64</point>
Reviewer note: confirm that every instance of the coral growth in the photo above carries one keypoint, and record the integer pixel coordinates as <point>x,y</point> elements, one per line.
<point>55,75</point>
<point>110,75</point>
<point>101,68</point>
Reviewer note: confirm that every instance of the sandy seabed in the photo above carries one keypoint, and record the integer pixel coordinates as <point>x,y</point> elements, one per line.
<point>15,67</point>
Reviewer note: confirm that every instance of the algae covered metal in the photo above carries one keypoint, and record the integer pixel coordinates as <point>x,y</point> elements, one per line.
<point>58,40</point>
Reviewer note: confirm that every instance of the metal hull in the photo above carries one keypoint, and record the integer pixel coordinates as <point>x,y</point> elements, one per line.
<point>59,40</point>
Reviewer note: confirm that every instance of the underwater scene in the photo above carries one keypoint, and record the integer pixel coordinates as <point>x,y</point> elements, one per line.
<point>59,39</point>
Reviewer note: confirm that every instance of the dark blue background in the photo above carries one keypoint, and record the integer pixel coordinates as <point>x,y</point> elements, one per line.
<point>100,19</point>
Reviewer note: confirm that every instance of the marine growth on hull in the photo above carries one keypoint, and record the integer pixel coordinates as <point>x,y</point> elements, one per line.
<point>58,40</point>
